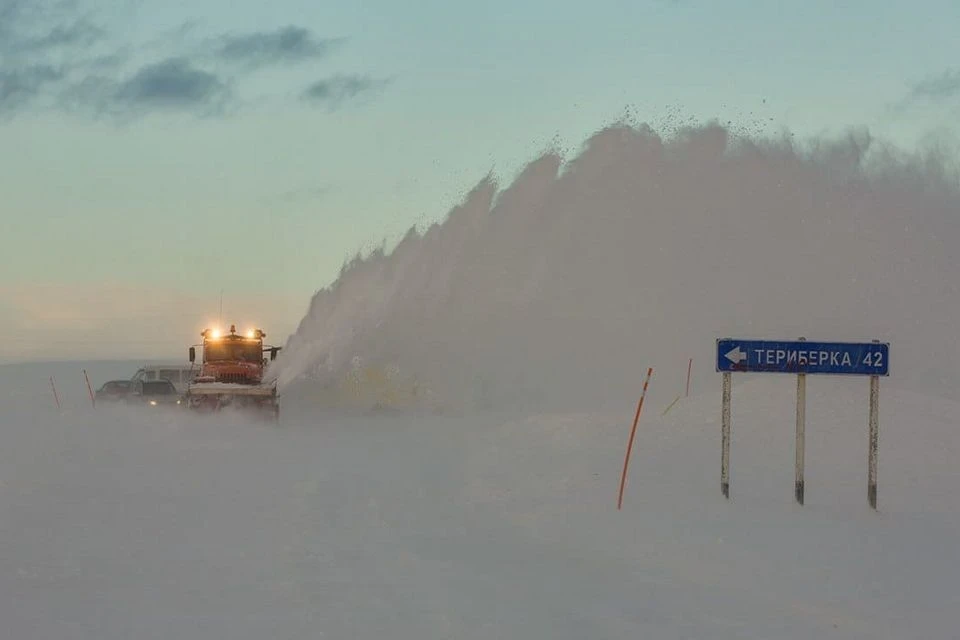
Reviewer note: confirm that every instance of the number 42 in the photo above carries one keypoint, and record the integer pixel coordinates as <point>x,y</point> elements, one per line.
<point>873,359</point>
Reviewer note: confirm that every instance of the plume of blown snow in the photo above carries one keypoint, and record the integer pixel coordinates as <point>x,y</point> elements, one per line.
<point>564,287</point>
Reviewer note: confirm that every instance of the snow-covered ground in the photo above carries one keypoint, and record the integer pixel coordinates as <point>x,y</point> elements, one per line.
<point>122,525</point>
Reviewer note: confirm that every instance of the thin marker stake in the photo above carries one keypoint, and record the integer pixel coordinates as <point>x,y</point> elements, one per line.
<point>93,400</point>
<point>56,396</point>
<point>675,401</point>
<point>633,431</point>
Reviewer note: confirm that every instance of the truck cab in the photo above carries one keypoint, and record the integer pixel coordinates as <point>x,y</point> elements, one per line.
<point>232,357</point>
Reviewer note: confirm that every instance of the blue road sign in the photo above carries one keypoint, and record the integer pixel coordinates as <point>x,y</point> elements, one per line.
<point>797,356</point>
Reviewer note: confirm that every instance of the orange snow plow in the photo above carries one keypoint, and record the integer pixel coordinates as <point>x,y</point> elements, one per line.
<point>231,374</point>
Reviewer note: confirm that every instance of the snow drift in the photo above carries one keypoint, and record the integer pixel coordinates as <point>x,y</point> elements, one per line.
<point>561,289</point>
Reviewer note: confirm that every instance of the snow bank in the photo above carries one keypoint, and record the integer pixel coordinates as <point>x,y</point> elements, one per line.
<point>561,289</point>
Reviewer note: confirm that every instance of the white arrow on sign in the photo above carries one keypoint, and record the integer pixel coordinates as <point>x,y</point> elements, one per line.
<point>736,356</point>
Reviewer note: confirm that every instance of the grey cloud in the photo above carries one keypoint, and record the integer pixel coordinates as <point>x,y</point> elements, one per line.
<point>112,60</point>
<point>78,34</point>
<point>28,28</point>
<point>20,85</point>
<point>943,86</point>
<point>41,44</point>
<point>55,54</point>
<point>10,13</point>
<point>171,83</point>
<point>287,45</point>
<point>337,89</point>
<point>938,90</point>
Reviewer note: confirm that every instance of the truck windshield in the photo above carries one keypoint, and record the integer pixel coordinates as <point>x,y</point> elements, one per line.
<point>242,351</point>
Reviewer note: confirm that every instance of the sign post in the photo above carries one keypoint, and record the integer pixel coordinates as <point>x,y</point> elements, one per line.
<point>725,453</point>
<point>804,358</point>
<point>801,436</point>
<point>874,437</point>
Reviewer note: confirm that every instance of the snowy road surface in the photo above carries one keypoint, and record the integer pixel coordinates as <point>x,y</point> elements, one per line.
<point>117,526</point>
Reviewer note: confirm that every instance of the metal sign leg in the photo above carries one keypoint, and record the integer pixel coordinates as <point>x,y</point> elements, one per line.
<point>725,464</point>
<point>874,437</point>
<point>801,436</point>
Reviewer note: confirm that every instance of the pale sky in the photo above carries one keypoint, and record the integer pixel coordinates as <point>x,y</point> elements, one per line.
<point>155,153</point>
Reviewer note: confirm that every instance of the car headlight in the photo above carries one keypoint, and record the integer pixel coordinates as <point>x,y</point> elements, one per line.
<point>153,403</point>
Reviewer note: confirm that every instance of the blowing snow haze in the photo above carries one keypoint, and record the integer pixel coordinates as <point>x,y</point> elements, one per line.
<point>564,287</point>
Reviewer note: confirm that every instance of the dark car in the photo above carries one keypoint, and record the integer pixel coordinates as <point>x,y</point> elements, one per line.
<point>113,391</point>
<point>154,393</point>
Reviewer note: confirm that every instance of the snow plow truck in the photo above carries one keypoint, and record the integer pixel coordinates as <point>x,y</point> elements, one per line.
<point>231,374</point>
